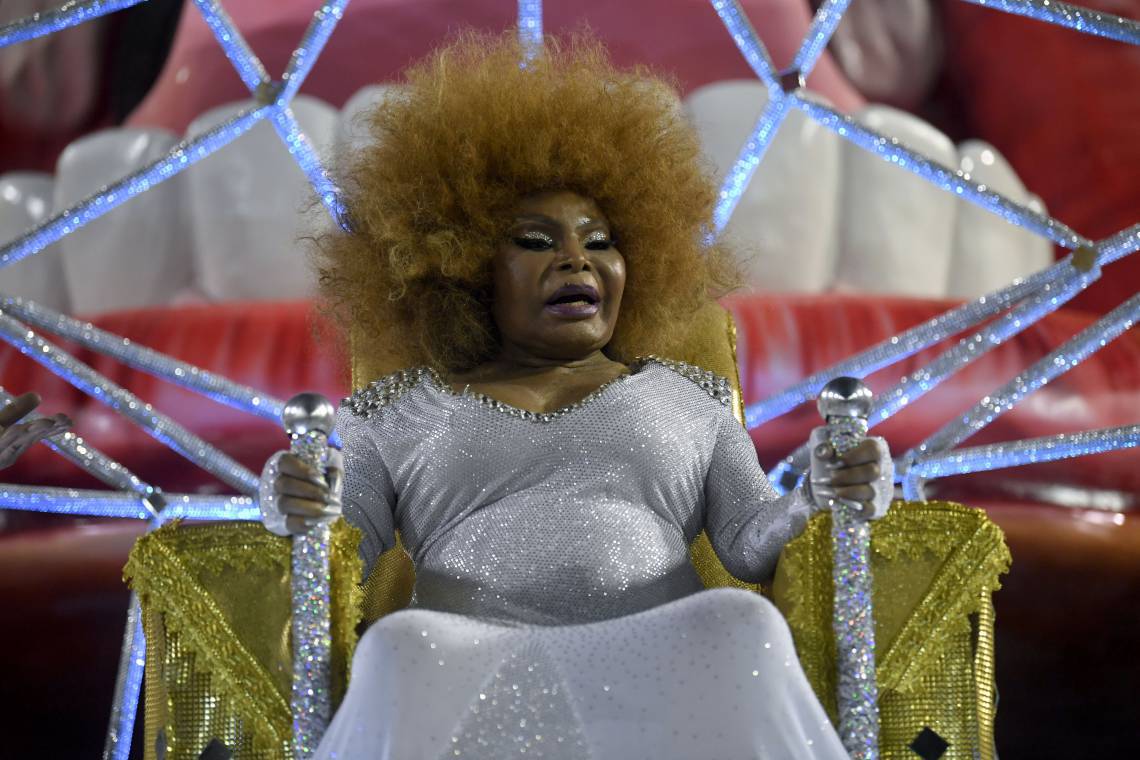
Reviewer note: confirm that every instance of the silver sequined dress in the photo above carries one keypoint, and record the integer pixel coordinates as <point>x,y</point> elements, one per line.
<point>545,544</point>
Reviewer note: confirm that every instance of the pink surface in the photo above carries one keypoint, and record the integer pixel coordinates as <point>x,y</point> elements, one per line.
<point>378,39</point>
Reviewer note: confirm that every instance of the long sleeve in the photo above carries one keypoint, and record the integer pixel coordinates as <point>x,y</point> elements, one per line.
<point>369,498</point>
<point>747,521</point>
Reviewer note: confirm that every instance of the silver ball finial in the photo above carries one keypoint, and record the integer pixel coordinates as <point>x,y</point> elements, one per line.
<point>845,397</point>
<point>307,412</point>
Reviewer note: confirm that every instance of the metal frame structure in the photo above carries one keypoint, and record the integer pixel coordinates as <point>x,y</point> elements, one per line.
<point>1024,301</point>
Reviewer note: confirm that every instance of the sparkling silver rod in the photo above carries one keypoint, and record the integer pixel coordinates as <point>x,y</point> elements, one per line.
<point>249,68</point>
<point>965,352</point>
<point>309,418</point>
<point>823,25</point>
<point>956,182</point>
<point>907,343</point>
<point>181,156</point>
<point>279,94</point>
<point>155,363</point>
<point>303,152</point>
<point>128,686</point>
<point>161,427</point>
<point>92,461</point>
<point>1070,16</point>
<point>91,503</point>
<point>530,26</point>
<point>309,48</point>
<point>67,15</point>
<point>747,41</point>
<point>844,404</point>
<point>1117,246</point>
<point>1057,362</point>
<point>996,456</point>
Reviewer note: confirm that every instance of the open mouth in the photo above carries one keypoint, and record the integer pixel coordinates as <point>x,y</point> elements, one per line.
<point>574,301</point>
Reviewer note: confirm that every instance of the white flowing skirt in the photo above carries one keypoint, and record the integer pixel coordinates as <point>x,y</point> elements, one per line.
<point>706,677</point>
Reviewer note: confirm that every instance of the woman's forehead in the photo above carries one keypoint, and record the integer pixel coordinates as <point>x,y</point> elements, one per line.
<point>560,207</point>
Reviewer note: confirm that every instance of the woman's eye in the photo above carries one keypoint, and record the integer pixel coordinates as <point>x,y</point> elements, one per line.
<point>534,243</point>
<point>599,245</point>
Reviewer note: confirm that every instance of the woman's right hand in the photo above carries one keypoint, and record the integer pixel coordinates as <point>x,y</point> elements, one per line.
<point>294,495</point>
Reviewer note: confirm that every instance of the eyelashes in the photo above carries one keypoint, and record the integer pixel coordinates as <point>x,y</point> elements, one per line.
<point>533,240</point>
<point>598,240</point>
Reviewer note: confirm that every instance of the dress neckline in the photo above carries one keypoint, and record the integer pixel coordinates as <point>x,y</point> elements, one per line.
<point>440,384</point>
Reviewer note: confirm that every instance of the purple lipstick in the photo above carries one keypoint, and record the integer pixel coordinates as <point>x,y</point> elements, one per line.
<point>574,301</point>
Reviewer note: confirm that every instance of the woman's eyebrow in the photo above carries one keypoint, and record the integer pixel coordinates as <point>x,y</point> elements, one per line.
<point>543,218</point>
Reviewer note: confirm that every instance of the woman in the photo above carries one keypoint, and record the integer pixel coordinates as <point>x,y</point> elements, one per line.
<point>526,231</point>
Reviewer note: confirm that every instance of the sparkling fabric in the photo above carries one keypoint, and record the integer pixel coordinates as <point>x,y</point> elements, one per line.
<point>712,676</point>
<point>583,514</point>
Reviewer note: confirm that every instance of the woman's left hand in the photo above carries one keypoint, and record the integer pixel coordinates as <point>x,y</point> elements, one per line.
<point>863,475</point>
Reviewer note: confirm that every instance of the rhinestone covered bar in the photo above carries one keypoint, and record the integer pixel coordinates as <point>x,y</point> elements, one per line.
<point>312,641</point>
<point>303,152</point>
<point>1027,451</point>
<point>73,501</point>
<point>1058,361</point>
<point>69,14</point>
<point>968,349</point>
<point>1117,246</point>
<point>233,44</point>
<point>957,182</point>
<point>530,26</point>
<point>128,405</point>
<point>181,156</point>
<point>309,48</point>
<point>747,40</point>
<point>905,344</point>
<point>209,384</point>
<point>823,24</point>
<point>738,177</point>
<point>853,620</point>
<point>1071,17</point>
<point>91,460</point>
<point>128,686</point>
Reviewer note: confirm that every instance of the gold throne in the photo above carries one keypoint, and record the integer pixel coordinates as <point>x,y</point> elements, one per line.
<point>216,611</point>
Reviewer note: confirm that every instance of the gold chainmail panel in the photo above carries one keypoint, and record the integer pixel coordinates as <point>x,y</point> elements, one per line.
<point>216,615</point>
<point>935,566</point>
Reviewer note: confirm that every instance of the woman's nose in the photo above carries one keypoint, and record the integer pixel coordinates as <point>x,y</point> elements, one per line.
<point>573,258</point>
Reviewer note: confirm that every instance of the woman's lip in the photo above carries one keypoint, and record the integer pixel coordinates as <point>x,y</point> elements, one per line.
<point>573,309</point>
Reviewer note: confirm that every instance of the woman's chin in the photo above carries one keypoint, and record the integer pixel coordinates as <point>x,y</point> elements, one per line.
<point>576,340</point>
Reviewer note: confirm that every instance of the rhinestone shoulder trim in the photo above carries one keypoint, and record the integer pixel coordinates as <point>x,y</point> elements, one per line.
<point>369,400</point>
<point>514,411</point>
<point>717,387</point>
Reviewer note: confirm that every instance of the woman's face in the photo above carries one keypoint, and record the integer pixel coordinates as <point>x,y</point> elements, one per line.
<point>558,279</point>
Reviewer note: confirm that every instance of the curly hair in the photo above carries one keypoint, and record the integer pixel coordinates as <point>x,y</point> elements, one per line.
<point>455,149</point>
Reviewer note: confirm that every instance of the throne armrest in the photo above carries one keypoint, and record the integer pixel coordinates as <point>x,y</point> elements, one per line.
<point>216,607</point>
<point>935,566</point>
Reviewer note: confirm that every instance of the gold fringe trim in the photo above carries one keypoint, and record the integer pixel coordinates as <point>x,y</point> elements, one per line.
<point>165,584</point>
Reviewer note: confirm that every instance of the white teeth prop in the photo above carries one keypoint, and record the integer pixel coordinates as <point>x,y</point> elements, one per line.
<point>786,222</point>
<point>352,133</point>
<point>897,229</point>
<point>989,252</point>
<point>25,201</point>
<point>251,205</point>
<point>139,254</point>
